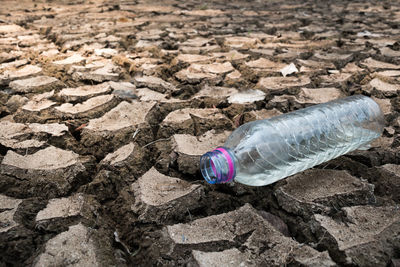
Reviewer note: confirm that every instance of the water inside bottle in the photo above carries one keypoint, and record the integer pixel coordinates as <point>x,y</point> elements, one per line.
<point>267,168</point>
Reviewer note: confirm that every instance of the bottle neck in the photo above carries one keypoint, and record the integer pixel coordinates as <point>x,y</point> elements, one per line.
<point>218,166</point>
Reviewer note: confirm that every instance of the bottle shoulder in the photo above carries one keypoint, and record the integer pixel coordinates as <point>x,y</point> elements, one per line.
<point>248,131</point>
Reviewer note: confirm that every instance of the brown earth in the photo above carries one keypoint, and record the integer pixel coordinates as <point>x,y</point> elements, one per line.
<point>107,106</point>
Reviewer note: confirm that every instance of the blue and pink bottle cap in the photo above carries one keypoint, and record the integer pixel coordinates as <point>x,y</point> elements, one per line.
<point>218,175</point>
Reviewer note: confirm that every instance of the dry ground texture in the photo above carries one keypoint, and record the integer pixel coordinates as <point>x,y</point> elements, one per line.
<point>106,107</point>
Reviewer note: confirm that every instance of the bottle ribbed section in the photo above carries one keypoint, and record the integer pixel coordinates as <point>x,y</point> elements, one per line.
<point>269,150</point>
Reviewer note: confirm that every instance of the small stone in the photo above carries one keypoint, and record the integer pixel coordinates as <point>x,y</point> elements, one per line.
<point>333,71</point>
<point>289,69</point>
<point>155,83</point>
<point>316,191</point>
<point>35,84</point>
<point>156,194</point>
<point>245,97</point>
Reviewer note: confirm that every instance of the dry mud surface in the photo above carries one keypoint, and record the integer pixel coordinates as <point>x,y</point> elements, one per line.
<point>106,107</point>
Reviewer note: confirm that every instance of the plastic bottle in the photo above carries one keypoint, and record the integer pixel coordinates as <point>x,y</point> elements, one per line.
<point>264,151</point>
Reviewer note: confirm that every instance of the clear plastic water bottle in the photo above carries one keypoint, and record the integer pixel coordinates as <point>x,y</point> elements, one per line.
<point>265,151</point>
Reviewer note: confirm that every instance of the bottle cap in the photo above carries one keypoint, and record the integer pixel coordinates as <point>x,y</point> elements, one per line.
<point>218,166</point>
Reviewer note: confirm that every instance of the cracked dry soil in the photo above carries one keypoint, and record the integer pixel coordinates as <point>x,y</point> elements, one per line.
<point>106,107</point>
